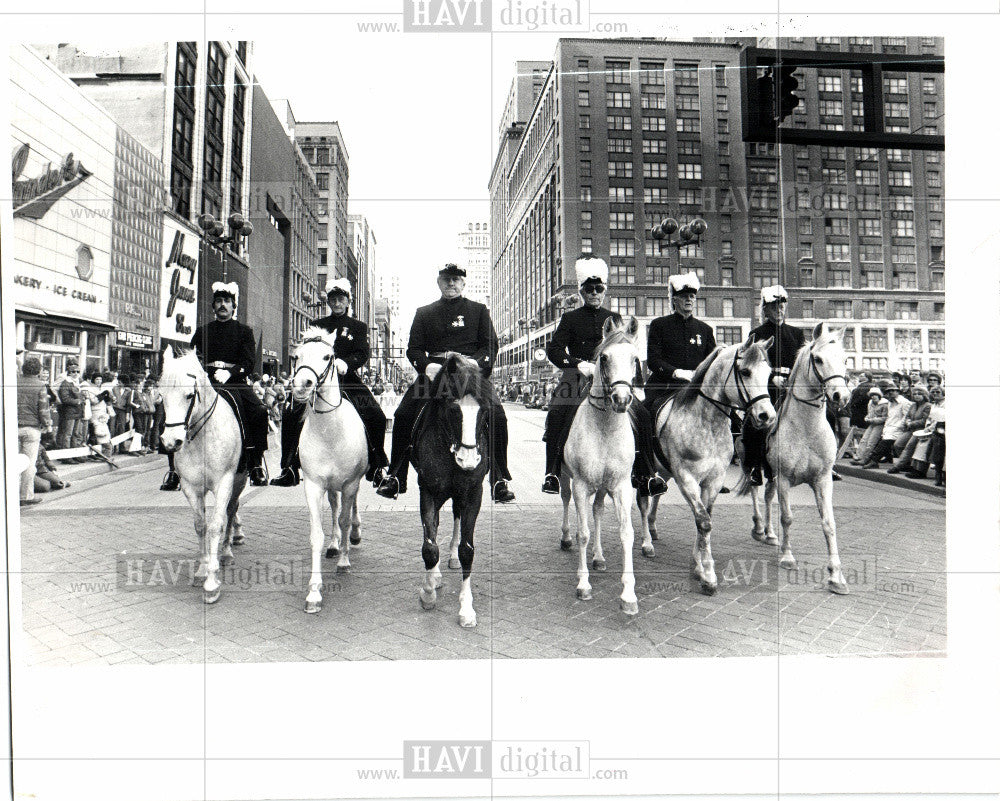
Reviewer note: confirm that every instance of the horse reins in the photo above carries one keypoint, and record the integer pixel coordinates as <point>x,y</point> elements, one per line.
<point>821,397</point>
<point>192,430</point>
<point>320,379</point>
<point>741,390</point>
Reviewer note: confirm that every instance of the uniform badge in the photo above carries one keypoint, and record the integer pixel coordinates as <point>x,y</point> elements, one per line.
<point>460,322</point>
<point>347,333</point>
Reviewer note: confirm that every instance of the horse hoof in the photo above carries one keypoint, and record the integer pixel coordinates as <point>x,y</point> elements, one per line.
<point>238,539</point>
<point>454,564</point>
<point>837,587</point>
<point>648,551</point>
<point>332,553</point>
<point>343,568</point>
<point>584,595</point>
<point>764,537</point>
<point>652,534</point>
<point>211,596</point>
<point>771,539</point>
<point>355,538</point>
<point>438,583</point>
<point>566,545</point>
<point>467,621</point>
<point>630,608</point>
<point>709,589</point>
<point>312,607</point>
<point>787,562</point>
<point>226,559</point>
<point>600,565</point>
<point>428,600</point>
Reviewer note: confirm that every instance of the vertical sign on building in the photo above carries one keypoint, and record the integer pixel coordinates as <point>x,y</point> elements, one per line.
<point>179,289</point>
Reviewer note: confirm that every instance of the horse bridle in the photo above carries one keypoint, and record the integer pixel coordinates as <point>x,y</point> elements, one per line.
<point>607,389</point>
<point>320,377</point>
<point>192,430</point>
<point>746,402</point>
<point>821,397</point>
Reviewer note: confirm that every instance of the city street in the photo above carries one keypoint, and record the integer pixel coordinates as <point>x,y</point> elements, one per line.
<point>106,579</point>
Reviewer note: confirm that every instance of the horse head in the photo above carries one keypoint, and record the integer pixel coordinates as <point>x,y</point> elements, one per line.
<point>827,364</point>
<point>463,394</point>
<point>184,386</point>
<point>748,382</point>
<point>617,362</point>
<point>315,365</point>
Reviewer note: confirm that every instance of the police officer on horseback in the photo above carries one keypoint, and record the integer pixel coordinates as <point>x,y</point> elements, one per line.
<point>460,325</point>
<point>785,347</point>
<point>677,343</point>
<point>351,352</point>
<point>227,349</point>
<point>571,348</point>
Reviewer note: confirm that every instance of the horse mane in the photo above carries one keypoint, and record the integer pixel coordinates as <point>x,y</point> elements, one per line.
<point>444,387</point>
<point>689,393</point>
<point>802,356</point>
<point>315,332</point>
<point>185,362</point>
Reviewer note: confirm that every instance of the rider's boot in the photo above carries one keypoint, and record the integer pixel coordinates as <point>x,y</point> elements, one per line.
<point>289,477</point>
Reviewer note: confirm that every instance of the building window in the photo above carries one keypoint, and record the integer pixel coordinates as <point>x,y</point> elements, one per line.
<point>727,275</point>
<point>728,334</point>
<point>937,280</point>
<point>933,179</point>
<point>656,169</point>
<point>837,276</point>
<point>763,276</point>
<point>657,307</point>
<point>624,306</point>
<point>872,279</point>
<point>622,247</point>
<point>685,74</point>
<point>617,72</point>
<point>896,86</point>
<point>584,122</point>
<point>902,227</point>
<point>619,100</point>
<point>652,72</point>
<point>870,226</point>
<point>586,220</point>
<point>840,309</point>
<point>935,341</point>
<point>322,180</point>
<point>904,279</point>
<point>621,220</point>
<point>322,257</point>
<point>651,147</point>
<point>688,172</point>
<point>808,309</point>
<point>583,70</point>
<point>585,144</point>
<point>586,245</point>
<point>621,169</point>
<point>837,226</point>
<point>838,252</point>
<point>873,310</point>
<point>720,74</point>
<point>728,307</point>
<point>622,273</point>
<point>585,168</point>
<point>658,124</point>
<point>620,194</point>
<point>930,86</point>
<point>904,254</point>
<point>619,122</point>
<point>619,145</point>
<point>583,98</point>
<point>651,101</point>
<point>874,340</point>
<point>829,83</point>
<point>906,310</point>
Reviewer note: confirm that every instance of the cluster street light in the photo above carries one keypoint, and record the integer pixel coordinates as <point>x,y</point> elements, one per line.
<point>688,234</point>
<point>213,232</point>
<point>527,326</point>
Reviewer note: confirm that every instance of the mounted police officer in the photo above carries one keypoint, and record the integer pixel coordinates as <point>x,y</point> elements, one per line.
<point>351,352</point>
<point>677,343</point>
<point>457,324</point>
<point>227,348</point>
<point>782,353</point>
<point>571,348</point>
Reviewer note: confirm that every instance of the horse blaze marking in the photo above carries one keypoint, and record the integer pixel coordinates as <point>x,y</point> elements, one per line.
<point>436,759</point>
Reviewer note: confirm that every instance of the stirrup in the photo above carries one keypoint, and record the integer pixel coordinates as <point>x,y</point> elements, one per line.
<point>551,484</point>
<point>389,488</point>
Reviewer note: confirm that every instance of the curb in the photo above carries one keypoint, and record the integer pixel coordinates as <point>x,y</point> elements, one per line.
<point>881,477</point>
<point>75,473</point>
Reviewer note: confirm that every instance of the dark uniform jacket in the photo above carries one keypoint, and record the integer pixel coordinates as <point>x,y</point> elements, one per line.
<point>351,345</point>
<point>230,342</point>
<point>785,347</point>
<point>576,338</point>
<point>675,343</point>
<point>460,325</point>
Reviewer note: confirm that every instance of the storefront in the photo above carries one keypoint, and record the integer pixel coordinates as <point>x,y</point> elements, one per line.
<point>269,363</point>
<point>63,178</point>
<point>134,354</point>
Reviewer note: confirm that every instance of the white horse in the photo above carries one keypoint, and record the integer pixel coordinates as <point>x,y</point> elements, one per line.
<point>693,428</point>
<point>204,435</point>
<point>598,457</point>
<point>802,448</point>
<point>333,453</point>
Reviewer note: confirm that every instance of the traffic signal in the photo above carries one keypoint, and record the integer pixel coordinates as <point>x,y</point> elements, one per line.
<point>787,83</point>
<point>765,100</point>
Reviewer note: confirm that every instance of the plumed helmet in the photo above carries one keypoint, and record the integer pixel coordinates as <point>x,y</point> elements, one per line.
<point>341,285</point>
<point>591,268</point>
<point>680,283</point>
<point>231,290</point>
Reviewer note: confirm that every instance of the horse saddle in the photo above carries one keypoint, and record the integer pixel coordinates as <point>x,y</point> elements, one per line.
<point>233,399</point>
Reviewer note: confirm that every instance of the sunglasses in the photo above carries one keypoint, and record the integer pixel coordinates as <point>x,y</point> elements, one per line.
<point>593,290</point>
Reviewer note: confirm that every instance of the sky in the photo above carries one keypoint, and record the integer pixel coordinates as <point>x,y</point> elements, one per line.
<point>419,115</point>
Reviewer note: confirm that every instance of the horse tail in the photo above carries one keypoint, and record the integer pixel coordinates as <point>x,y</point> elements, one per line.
<point>743,487</point>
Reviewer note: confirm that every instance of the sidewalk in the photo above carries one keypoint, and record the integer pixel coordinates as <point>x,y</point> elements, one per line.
<point>881,476</point>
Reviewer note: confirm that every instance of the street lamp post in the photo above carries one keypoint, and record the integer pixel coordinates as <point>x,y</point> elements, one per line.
<point>687,234</point>
<point>527,326</point>
<point>213,232</point>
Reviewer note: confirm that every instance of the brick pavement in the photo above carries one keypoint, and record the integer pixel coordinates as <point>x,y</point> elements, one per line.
<point>76,610</point>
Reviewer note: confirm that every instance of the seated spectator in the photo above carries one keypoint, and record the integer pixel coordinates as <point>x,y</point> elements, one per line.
<point>915,420</point>
<point>929,447</point>
<point>878,410</point>
<point>892,429</point>
<point>902,380</point>
<point>46,477</point>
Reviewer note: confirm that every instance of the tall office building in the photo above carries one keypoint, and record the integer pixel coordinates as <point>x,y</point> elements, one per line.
<point>189,104</point>
<point>627,132</point>
<point>323,146</point>
<point>363,243</point>
<point>474,256</point>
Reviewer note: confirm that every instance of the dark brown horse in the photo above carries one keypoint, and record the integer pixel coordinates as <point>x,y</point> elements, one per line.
<point>451,456</point>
